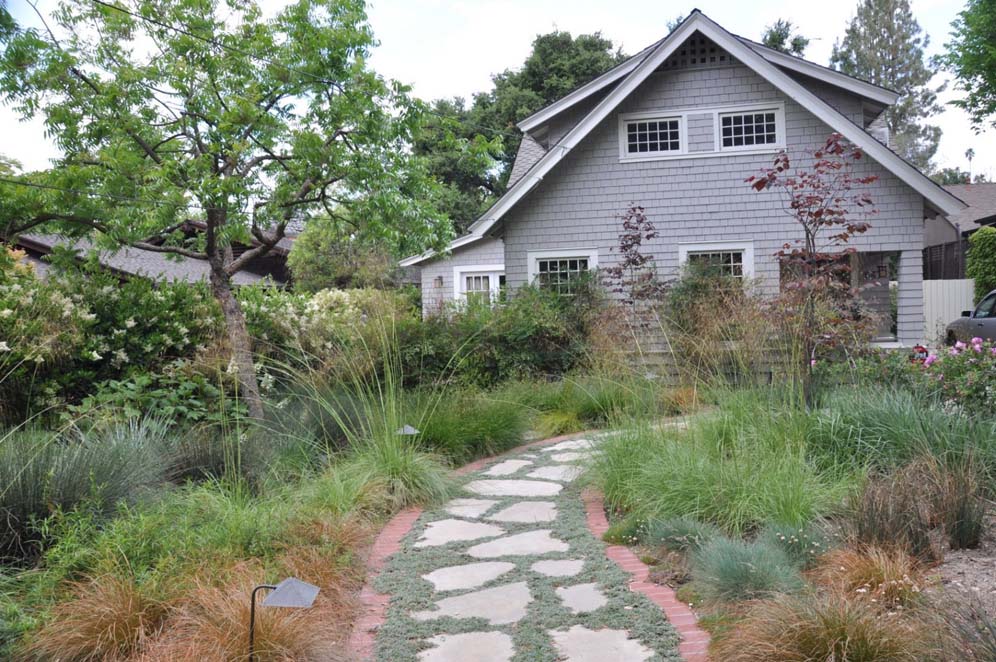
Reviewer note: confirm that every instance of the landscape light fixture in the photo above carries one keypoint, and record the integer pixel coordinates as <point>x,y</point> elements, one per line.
<point>291,593</point>
<point>407,431</point>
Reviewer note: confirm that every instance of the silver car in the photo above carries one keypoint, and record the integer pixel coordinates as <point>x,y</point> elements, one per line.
<point>978,323</point>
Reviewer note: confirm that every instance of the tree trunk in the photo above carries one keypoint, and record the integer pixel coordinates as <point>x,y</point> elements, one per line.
<point>238,338</point>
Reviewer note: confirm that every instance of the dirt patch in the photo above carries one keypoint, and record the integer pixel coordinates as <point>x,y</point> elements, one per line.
<point>973,571</point>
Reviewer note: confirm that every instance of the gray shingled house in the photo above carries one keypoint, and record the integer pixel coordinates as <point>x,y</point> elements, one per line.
<point>676,129</point>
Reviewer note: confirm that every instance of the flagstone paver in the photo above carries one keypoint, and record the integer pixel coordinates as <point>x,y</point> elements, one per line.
<point>468,575</point>
<point>469,508</point>
<point>527,511</point>
<point>452,530</point>
<point>516,575</point>
<point>560,472</point>
<point>536,488</point>
<point>507,467</point>
<point>477,646</point>
<point>582,597</point>
<point>501,604</point>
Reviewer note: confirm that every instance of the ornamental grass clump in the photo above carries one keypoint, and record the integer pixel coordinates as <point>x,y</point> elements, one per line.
<point>725,570</point>
<point>678,534</point>
<point>891,578</point>
<point>823,626</point>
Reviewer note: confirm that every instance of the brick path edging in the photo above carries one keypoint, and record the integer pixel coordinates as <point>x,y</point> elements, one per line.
<point>373,605</point>
<point>694,640</point>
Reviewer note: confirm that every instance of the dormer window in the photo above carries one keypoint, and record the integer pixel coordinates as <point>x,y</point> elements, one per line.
<point>750,129</point>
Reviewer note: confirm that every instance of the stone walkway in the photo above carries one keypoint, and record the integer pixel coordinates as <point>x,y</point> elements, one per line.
<point>508,572</point>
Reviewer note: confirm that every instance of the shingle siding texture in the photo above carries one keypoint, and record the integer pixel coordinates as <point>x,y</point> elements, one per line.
<point>529,153</point>
<point>701,199</point>
<point>484,252</point>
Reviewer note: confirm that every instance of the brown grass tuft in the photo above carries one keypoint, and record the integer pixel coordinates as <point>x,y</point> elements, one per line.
<point>888,577</point>
<point>823,627</point>
<point>108,618</point>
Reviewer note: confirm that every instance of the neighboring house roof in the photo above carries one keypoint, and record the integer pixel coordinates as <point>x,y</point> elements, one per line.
<point>981,201</point>
<point>137,262</point>
<point>749,55</point>
<point>530,151</point>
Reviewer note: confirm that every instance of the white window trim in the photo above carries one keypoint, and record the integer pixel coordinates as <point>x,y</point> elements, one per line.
<point>624,119</point>
<point>682,114</point>
<point>714,246</point>
<point>533,257</point>
<point>493,271</point>
<point>778,109</point>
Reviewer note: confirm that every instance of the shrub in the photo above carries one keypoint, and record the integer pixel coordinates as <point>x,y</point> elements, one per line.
<point>679,534</point>
<point>980,263</point>
<point>890,577</point>
<point>895,511</point>
<point>725,570</point>
<point>106,618</point>
<point>804,545</point>
<point>822,626</point>
<point>738,470</point>
<point>41,473</point>
<point>964,377</point>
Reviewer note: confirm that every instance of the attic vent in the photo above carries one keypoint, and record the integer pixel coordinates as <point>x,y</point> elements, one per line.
<point>697,52</point>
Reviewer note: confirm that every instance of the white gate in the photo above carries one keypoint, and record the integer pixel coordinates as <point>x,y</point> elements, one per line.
<point>943,301</point>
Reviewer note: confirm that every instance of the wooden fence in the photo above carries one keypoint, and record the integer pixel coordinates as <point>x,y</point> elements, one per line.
<point>943,301</point>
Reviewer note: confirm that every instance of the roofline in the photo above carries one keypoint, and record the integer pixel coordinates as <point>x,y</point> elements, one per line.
<point>460,242</point>
<point>800,65</point>
<point>826,74</point>
<point>932,192</point>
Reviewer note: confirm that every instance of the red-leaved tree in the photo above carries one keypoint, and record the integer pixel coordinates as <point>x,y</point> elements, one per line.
<point>829,203</point>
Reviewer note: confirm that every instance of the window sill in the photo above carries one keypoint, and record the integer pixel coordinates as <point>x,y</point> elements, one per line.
<point>699,155</point>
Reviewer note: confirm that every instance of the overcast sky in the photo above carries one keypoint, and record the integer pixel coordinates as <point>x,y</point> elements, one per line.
<point>449,48</point>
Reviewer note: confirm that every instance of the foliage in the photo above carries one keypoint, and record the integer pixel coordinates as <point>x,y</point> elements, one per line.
<point>634,275</point>
<point>884,45</point>
<point>779,36</point>
<point>725,570</point>
<point>823,626</point>
<point>739,469</point>
<point>41,474</point>
<point>947,176</point>
<point>464,426</point>
<point>803,545</point>
<point>464,157</point>
<point>980,263</point>
<point>972,61</point>
<point>825,199</point>
<point>890,577</point>
<point>328,256</point>
<point>678,534</point>
<point>241,123</point>
<point>970,622</point>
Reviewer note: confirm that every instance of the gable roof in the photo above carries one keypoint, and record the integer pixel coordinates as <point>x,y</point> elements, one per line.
<point>799,65</point>
<point>934,194</point>
<point>981,201</point>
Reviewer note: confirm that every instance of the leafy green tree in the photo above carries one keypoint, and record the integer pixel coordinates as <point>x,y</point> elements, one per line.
<point>557,64</point>
<point>884,45</point>
<point>971,56</point>
<point>980,263</point>
<point>169,110</point>
<point>462,159</point>
<point>779,36</point>
<point>9,166</point>
<point>326,255</point>
<point>946,176</point>
<point>7,24</point>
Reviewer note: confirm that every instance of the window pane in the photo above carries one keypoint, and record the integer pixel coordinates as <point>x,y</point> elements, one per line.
<point>560,275</point>
<point>653,136</point>
<point>748,129</point>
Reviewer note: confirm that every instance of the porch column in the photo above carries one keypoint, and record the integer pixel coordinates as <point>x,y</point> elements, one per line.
<point>909,322</point>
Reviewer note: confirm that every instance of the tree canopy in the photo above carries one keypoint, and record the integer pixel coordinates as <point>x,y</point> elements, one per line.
<point>884,45</point>
<point>779,36</point>
<point>172,110</point>
<point>971,56</point>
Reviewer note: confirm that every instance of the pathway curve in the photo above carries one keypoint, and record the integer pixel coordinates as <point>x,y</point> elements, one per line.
<point>508,572</point>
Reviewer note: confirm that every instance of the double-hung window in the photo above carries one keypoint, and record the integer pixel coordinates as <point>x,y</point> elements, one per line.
<point>750,129</point>
<point>561,271</point>
<point>478,284</point>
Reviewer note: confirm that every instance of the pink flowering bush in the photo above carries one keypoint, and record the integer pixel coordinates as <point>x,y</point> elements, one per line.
<point>965,376</point>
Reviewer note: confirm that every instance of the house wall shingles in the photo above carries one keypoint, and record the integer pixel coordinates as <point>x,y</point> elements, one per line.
<point>484,252</point>
<point>693,200</point>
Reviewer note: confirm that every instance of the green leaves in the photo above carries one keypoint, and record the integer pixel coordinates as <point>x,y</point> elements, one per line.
<point>972,58</point>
